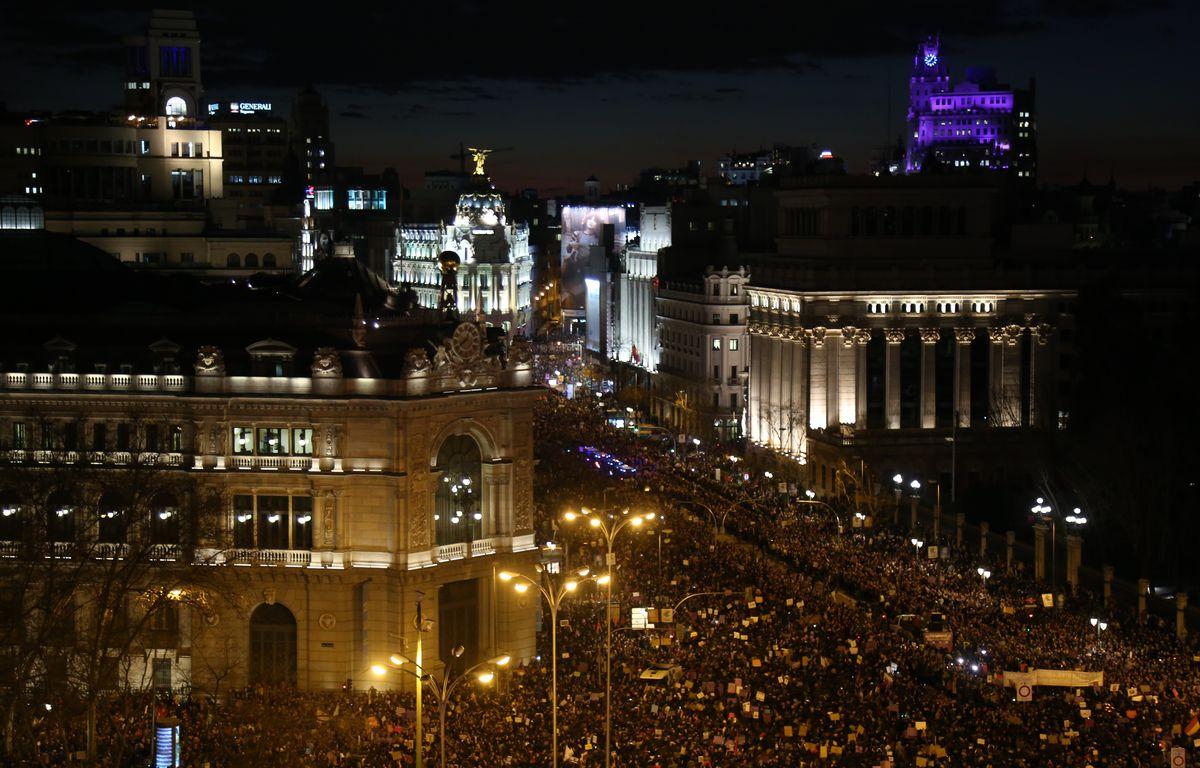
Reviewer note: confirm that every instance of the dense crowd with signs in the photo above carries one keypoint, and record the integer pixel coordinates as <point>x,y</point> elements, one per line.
<point>792,644</point>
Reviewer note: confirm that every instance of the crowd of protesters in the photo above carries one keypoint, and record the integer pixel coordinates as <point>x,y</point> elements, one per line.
<point>792,648</point>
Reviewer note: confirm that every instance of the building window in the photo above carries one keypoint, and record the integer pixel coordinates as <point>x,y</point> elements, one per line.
<point>733,345</point>
<point>233,260</point>
<point>272,441</point>
<point>733,318</point>
<point>20,436</point>
<point>176,107</point>
<point>458,509</point>
<point>162,673</point>
<point>324,198</point>
<point>716,344</point>
<point>243,438</point>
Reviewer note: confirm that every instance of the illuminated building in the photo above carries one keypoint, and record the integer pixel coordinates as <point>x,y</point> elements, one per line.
<point>704,356</point>
<point>310,139</point>
<point>162,68</point>
<point>367,452</point>
<point>495,276</point>
<point>973,125</point>
<point>636,326</point>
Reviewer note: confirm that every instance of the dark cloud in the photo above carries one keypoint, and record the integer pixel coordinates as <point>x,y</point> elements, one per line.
<point>398,47</point>
<point>353,114</point>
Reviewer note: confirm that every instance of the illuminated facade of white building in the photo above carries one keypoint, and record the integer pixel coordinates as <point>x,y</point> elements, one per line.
<point>496,268</point>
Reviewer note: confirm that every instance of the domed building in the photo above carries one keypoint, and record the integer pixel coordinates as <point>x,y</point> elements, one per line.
<point>495,272</point>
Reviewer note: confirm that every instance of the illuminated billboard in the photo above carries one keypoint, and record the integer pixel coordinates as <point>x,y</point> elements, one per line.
<point>582,227</point>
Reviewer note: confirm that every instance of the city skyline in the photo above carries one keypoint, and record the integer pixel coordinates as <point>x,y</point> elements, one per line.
<point>408,105</point>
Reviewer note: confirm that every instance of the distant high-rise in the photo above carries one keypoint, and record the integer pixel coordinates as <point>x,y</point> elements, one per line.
<point>162,67</point>
<point>974,125</point>
<point>311,142</point>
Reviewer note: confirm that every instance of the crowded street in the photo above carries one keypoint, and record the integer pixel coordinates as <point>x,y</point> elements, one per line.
<point>793,644</point>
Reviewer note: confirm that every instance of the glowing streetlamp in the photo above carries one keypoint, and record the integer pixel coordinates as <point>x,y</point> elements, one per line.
<point>554,592</point>
<point>609,529</point>
<point>484,673</point>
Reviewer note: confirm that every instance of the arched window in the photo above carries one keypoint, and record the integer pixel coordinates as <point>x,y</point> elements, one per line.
<point>233,260</point>
<point>60,517</point>
<point>176,107</point>
<point>113,519</point>
<point>11,527</point>
<point>24,221</point>
<point>164,520</point>
<point>269,260</point>
<point>8,217</point>
<point>458,509</point>
<point>272,645</point>
<point>251,261</point>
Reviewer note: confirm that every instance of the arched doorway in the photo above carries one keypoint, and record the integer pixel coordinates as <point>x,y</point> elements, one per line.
<point>272,645</point>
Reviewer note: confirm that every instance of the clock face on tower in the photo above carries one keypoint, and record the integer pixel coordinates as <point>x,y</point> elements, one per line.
<point>931,58</point>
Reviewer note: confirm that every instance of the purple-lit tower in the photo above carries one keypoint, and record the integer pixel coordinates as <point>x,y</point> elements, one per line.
<point>975,125</point>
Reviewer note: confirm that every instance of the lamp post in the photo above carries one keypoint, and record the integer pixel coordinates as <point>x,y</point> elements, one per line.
<point>1044,512</point>
<point>812,499</point>
<point>554,594</point>
<point>917,544</point>
<point>1075,522</point>
<point>609,529</point>
<point>443,688</point>
<point>1100,625</point>
<point>718,526</point>
<point>898,481</point>
<point>916,496</point>
<point>984,574</point>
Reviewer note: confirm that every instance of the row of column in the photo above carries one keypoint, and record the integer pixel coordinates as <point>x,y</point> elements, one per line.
<point>817,378</point>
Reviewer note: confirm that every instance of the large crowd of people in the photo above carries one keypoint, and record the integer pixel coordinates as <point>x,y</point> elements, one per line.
<point>796,642</point>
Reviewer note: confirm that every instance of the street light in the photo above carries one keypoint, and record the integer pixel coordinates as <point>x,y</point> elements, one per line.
<point>917,544</point>
<point>812,499</point>
<point>554,593</point>
<point>1100,625</point>
<point>916,496</point>
<point>1044,512</point>
<point>984,573</point>
<point>898,480</point>
<point>610,529</point>
<point>442,689</point>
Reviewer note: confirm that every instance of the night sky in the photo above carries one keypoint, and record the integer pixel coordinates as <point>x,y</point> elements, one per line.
<point>608,88</point>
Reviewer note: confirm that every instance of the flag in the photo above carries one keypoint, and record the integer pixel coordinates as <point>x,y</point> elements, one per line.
<point>1193,726</point>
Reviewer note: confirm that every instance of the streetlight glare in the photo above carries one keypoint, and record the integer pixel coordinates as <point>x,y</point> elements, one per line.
<point>897,478</point>
<point>397,660</point>
<point>650,516</point>
<point>635,521</point>
<point>594,522</point>
<point>915,484</point>
<point>584,571</point>
<point>810,493</point>
<point>378,670</point>
<point>571,586</point>
<point>570,515</point>
<point>501,661</point>
<point>486,677</point>
<point>521,587</point>
<point>603,579</point>
<point>504,576</point>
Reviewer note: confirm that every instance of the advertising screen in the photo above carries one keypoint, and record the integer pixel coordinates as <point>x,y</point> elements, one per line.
<point>583,226</point>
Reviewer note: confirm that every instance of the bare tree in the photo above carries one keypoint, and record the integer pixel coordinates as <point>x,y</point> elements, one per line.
<point>99,564</point>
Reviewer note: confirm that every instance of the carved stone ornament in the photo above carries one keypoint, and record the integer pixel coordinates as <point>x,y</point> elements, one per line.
<point>1013,334</point>
<point>862,336</point>
<point>964,335</point>
<point>848,336</point>
<point>817,335</point>
<point>930,335</point>
<point>418,523</point>
<point>269,595</point>
<point>416,361</point>
<point>327,519</point>
<point>893,335</point>
<point>326,621</point>
<point>210,362</point>
<point>327,363</point>
<point>520,353</point>
<point>462,359</point>
<point>523,497</point>
<point>212,618</point>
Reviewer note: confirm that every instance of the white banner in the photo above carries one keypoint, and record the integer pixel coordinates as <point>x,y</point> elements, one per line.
<point>1063,678</point>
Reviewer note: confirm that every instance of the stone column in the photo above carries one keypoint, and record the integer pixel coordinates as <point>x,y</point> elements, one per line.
<point>799,416</point>
<point>1143,588</point>
<point>929,339</point>
<point>960,523</point>
<point>1039,551</point>
<point>818,396</point>
<point>983,534</point>
<point>912,525</point>
<point>937,522</point>
<point>778,410</point>
<point>1041,378</point>
<point>1108,580</point>
<point>962,374</point>
<point>833,379</point>
<point>1004,373</point>
<point>848,377</point>
<point>1181,600</point>
<point>861,339</point>
<point>1010,539</point>
<point>894,337</point>
<point>1074,557</point>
